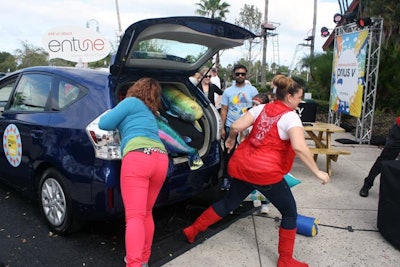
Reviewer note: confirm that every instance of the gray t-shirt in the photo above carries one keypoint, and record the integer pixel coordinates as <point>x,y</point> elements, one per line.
<point>238,100</point>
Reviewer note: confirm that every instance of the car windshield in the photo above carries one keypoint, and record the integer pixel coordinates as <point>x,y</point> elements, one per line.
<point>170,50</point>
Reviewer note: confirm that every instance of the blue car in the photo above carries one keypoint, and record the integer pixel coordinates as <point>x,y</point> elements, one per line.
<point>53,150</point>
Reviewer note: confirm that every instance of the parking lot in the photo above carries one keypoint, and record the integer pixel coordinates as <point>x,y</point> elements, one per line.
<point>26,241</point>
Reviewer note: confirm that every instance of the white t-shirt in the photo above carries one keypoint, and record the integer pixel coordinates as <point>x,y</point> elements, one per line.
<point>217,100</point>
<point>286,122</point>
<point>216,80</point>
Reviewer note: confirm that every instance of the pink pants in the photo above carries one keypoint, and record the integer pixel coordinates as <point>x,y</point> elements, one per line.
<point>142,177</point>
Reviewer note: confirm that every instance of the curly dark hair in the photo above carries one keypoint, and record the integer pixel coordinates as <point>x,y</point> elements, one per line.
<point>149,91</point>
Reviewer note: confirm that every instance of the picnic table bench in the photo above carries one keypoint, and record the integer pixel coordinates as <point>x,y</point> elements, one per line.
<point>320,133</point>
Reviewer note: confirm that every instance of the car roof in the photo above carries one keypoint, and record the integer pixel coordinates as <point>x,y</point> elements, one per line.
<point>87,77</point>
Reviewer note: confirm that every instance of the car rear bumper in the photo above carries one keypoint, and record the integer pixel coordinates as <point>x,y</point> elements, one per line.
<point>106,201</point>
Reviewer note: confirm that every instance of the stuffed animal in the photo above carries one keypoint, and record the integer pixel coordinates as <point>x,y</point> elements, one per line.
<point>180,105</point>
<point>175,144</point>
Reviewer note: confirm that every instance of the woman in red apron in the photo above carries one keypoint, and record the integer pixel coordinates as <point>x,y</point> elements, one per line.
<point>261,161</point>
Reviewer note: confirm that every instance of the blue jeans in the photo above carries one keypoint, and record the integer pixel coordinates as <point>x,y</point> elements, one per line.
<point>278,194</point>
<point>226,155</point>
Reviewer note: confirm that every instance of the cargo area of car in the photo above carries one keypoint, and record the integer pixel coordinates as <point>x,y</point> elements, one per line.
<point>187,129</point>
<point>196,134</point>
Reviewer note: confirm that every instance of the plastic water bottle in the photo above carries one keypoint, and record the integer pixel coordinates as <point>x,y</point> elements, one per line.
<point>254,198</point>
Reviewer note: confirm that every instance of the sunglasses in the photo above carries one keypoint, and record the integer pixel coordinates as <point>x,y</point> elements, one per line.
<point>240,73</point>
<point>207,76</point>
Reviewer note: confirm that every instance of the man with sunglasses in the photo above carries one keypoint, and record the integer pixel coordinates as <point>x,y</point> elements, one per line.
<point>236,100</point>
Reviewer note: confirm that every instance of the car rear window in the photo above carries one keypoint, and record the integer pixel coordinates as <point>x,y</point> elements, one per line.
<point>32,92</point>
<point>5,92</point>
<point>67,94</point>
<point>170,50</point>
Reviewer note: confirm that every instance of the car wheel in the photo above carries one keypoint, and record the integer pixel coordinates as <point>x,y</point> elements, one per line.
<point>55,203</point>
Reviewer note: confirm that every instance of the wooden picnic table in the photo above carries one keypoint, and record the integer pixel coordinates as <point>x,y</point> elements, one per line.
<point>321,134</point>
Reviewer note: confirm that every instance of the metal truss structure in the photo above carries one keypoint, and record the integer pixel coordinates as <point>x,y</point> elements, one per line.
<point>365,122</point>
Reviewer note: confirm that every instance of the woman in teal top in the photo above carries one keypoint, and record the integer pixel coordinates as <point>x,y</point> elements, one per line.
<point>144,164</point>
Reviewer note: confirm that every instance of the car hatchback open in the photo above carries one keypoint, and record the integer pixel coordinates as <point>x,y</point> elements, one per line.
<point>53,149</point>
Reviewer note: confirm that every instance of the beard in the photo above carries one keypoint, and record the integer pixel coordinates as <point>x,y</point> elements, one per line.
<point>240,82</point>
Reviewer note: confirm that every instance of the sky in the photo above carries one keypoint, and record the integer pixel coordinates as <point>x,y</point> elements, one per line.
<point>27,21</point>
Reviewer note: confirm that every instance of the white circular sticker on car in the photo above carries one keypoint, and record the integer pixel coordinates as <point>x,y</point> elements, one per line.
<point>12,145</point>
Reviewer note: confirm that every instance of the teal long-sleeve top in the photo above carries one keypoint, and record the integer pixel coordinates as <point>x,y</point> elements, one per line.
<point>136,124</point>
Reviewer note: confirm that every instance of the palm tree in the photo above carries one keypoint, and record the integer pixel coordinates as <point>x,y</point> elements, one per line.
<point>250,19</point>
<point>215,10</point>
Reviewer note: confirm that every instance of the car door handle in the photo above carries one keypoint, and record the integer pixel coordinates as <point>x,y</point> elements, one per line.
<point>37,133</point>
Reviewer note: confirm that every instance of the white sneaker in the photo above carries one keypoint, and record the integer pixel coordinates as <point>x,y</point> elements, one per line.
<point>256,203</point>
<point>264,209</point>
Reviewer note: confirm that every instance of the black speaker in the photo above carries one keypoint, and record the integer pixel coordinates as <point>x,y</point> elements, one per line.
<point>307,111</point>
<point>389,202</point>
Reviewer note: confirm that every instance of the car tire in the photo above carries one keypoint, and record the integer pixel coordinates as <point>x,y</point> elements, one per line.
<point>55,203</point>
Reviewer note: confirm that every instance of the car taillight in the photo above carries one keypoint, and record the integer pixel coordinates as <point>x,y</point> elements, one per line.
<point>111,197</point>
<point>107,144</point>
<point>219,122</point>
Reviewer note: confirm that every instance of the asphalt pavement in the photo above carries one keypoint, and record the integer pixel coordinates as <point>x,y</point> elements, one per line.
<point>26,241</point>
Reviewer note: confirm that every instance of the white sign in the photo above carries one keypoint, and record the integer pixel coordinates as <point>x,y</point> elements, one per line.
<point>347,75</point>
<point>12,145</point>
<point>76,44</point>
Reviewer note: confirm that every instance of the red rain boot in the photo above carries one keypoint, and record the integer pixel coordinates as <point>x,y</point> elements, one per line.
<point>207,218</point>
<point>285,249</point>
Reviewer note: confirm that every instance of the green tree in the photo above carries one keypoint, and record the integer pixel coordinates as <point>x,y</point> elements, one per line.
<point>102,63</point>
<point>152,45</point>
<point>389,77</point>
<point>215,10</point>
<point>250,18</point>
<point>320,66</point>
<point>7,62</point>
<point>389,10</point>
<point>61,62</point>
<point>388,92</point>
<point>30,56</point>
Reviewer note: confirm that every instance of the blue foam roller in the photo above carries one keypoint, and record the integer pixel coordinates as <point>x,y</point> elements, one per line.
<point>307,226</point>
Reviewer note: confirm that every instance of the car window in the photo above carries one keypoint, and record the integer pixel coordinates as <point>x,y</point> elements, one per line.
<point>169,50</point>
<point>5,92</point>
<point>67,94</point>
<point>32,92</point>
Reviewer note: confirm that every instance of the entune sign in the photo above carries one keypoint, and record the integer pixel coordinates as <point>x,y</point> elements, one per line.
<point>75,44</point>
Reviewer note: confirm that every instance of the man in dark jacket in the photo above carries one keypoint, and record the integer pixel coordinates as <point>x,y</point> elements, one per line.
<point>390,152</point>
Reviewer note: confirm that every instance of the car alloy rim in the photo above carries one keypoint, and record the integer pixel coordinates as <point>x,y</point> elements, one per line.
<point>53,202</point>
